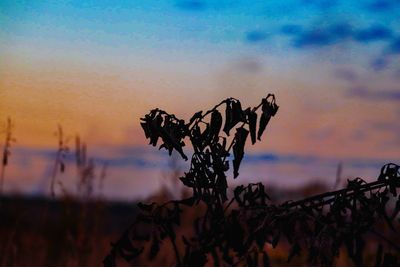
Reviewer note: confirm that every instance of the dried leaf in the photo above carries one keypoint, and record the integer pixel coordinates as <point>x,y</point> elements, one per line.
<point>238,149</point>
<point>215,125</point>
<point>228,117</point>
<point>252,121</point>
<point>265,117</point>
<point>196,116</point>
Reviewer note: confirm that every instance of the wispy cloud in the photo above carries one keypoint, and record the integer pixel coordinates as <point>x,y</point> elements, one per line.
<point>379,63</point>
<point>392,95</point>
<point>336,33</point>
<point>314,38</point>
<point>322,36</point>
<point>373,33</point>
<point>272,158</point>
<point>394,46</point>
<point>382,5</point>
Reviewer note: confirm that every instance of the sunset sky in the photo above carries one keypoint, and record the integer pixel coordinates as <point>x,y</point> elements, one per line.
<point>96,67</point>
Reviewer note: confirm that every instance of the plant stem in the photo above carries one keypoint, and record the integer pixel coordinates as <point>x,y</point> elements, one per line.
<point>178,258</point>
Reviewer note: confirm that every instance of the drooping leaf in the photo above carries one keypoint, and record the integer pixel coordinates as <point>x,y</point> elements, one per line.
<point>233,115</point>
<point>238,149</point>
<point>172,141</point>
<point>252,120</point>
<point>196,116</point>
<point>269,110</point>
<point>237,112</point>
<point>215,125</point>
<point>265,117</point>
<point>228,117</point>
<point>146,129</point>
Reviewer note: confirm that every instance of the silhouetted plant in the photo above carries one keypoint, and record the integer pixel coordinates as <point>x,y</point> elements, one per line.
<point>59,164</point>
<point>6,151</point>
<point>236,232</point>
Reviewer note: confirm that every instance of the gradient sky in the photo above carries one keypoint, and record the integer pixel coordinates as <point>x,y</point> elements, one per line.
<point>96,67</point>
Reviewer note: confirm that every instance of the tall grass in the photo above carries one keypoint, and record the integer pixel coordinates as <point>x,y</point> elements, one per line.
<point>6,151</point>
<point>67,228</point>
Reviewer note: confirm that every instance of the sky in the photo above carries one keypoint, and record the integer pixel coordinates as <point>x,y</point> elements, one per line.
<point>96,67</point>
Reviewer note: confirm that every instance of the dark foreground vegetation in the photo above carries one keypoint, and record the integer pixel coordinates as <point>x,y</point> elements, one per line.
<point>244,228</point>
<point>40,231</point>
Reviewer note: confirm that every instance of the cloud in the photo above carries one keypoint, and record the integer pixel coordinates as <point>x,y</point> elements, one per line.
<point>323,36</point>
<point>341,30</point>
<point>379,64</point>
<point>313,38</point>
<point>312,160</point>
<point>255,36</point>
<point>291,29</point>
<point>276,158</point>
<point>392,95</point>
<point>191,5</point>
<point>320,37</point>
<point>382,5</point>
<point>373,33</point>
<point>394,47</point>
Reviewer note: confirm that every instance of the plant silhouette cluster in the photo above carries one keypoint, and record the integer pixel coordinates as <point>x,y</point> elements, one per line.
<point>240,230</point>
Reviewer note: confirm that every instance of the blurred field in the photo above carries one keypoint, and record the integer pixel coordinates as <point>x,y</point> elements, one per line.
<point>38,231</point>
<point>65,232</point>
